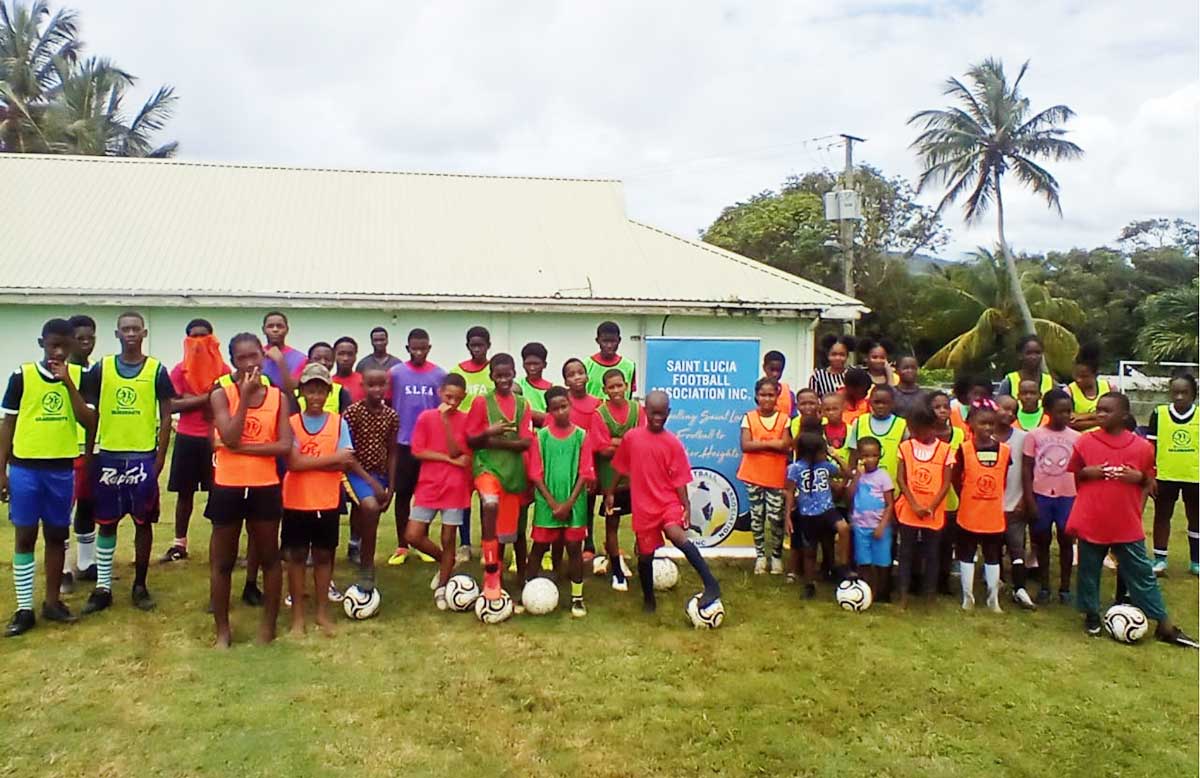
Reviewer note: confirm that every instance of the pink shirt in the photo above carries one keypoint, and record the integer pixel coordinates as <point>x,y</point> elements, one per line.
<point>1109,511</point>
<point>196,422</point>
<point>583,409</point>
<point>353,384</point>
<point>657,465</point>
<point>441,484</point>
<point>1051,453</point>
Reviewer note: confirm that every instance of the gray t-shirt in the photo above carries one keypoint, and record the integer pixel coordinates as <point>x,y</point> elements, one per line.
<point>1013,488</point>
<point>904,402</point>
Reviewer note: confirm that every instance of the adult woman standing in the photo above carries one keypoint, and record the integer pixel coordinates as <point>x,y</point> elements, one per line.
<point>829,379</point>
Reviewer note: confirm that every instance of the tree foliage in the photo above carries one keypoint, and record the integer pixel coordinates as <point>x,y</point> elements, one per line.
<point>1172,323</point>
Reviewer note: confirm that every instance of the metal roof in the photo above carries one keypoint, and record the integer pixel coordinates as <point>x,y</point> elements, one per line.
<point>175,232</point>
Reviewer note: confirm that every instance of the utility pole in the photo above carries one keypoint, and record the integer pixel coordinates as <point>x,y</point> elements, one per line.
<point>847,226</point>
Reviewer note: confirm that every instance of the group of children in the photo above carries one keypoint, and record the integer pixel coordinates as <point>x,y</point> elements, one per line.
<point>879,472</point>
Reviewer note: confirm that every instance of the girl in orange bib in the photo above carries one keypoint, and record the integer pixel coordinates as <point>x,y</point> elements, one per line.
<point>766,442</point>
<point>923,478</point>
<point>979,477</point>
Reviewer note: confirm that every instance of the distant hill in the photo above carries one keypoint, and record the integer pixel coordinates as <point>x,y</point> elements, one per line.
<point>922,263</point>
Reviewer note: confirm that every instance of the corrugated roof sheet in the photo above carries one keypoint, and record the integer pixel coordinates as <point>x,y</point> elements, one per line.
<point>151,228</point>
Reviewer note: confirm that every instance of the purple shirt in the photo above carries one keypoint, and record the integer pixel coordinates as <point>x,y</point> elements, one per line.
<point>295,361</point>
<point>414,390</point>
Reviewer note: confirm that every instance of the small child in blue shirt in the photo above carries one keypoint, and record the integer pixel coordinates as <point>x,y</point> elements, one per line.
<point>812,484</point>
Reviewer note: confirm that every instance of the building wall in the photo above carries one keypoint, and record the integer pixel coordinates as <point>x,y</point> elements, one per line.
<point>564,335</point>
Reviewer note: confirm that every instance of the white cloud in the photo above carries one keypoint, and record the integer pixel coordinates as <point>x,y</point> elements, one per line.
<point>696,105</point>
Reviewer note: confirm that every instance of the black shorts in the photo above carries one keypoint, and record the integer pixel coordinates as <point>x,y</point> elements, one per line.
<point>227,504</point>
<point>191,464</point>
<point>310,529</point>
<point>812,529</point>
<point>1170,491</point>
<point>622,506</point>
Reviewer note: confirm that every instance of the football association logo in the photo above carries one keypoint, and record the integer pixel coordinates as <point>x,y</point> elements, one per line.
<point>715,507</point>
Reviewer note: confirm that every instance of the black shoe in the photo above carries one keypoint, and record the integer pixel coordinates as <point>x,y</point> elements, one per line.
<point>174,554</point>
<point>1091,624</point>
<point>142,599</point>
<point>810,591</point>
<point>252,595</point>
<point>87,575</point>
<point>97,601</point>
<point>1043,596</point>
<point>58,612</point>
<point>67,584</point>
<point>22,621</point>
<point>1175,637</point>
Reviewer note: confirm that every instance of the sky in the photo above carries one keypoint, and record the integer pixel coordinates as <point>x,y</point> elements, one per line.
<point>695,105</point>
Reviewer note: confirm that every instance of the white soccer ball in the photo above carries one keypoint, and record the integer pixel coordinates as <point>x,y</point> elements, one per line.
<point>540,596</point>
<point>600,565</point>
<point>666,575</point>
<point>705,618</point>
<point>461,592</point>
<point>853,594</point>
<point>494,611</point>
<point>1126,623</point>
<point>360,605</point>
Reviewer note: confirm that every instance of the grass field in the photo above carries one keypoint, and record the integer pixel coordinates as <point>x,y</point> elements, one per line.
<point>784,688</point>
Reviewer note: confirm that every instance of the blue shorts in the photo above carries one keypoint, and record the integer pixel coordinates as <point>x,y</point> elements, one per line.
<point>125,485</point>
<point>1051,511</point>
<point>40,495</point>
<point>869,550</point>
<point>358,490</point>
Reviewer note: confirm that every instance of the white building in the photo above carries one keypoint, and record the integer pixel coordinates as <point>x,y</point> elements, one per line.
<point>342,251</point>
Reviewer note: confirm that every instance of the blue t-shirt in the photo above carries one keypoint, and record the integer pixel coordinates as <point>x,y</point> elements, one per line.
<point>814,486</point>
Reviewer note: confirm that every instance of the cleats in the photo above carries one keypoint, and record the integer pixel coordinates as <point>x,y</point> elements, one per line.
<point>174,554</point>
<point>22,621</point>
<point>1160,567</point>
<point>97,601</point>
<point>425,557</point>
<point>1177,637</point>
<point>1022,598</point>
<point>334,594</point>
<point>142,599</point>
<point>1091,624</point>
<point>87,574</point>
<point>620,585</point>
<point>398,557</point>
<point>578,609</point>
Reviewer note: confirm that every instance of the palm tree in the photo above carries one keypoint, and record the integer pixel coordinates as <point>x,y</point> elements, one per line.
<point>970,146</point>
<point>34,48</point>
<point>1172,321</point>
<point>975,300</point>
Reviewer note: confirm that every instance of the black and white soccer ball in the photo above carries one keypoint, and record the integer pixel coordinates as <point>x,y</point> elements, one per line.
<point>1126,623</point>
<point>494,611</point>
<point>710,617</point>
<point>359,604</point>
<point>461,592</point>
<point>854,594</point>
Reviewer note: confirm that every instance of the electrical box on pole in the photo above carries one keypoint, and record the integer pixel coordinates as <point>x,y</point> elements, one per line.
<point>843,204</point>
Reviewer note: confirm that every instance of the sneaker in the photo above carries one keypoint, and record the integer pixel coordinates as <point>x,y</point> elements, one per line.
<point>97,601</point>
<point>760,566</point>
<point>463,554</point>
<point>88,574</point>
<point>57,612</point>
<point>1021,597</point>
<point>1091,624</point>
<point>174,554</point>
<point>439,598</point>
<point>22,621</point>
<point>398,557</point>
<point>578,609</point>
<point>1194,568</point>
<point>810,591</point>
<point>142,599</point>
<point>425,557</point>
<point>620,585</point>
<point>968,601</point>
<point>334,593</point>
<point>1043,596</point>
<point>67,584</point>
<point>776,566</point>
<point>1160,567</point>
<point>1065,598</point>
<point>252,595</point>
<point>1176,637</point>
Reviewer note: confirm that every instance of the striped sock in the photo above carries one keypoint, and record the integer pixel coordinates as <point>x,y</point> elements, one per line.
<point>1160,553</point>
<point>106,546</point>
<point>85,549</point>
<point>23,567</point>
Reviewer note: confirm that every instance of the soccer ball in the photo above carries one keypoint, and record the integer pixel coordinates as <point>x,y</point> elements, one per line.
<point>461,592</point>
<point>600,566</point>
<point>1126,623</point>
<point>540,596</point>
<point>853,594</point>
<point>494,611</point>
<point>360,605</point>
<point>666,575</point>
<point>705,618</point>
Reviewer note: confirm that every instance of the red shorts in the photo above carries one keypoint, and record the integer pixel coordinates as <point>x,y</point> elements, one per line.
<point>83,484</point>
<point>549,535</point>
<point>649,530</point>
<point>489,488</point>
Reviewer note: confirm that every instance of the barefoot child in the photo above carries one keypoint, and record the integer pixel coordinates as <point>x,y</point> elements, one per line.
<point>1175,434</point>
<point>613,420</point>
<point>373,427</point>
<point>659,472</point>
<point>923,478</point>
<point>1051,488</point>
<point>766,442</point>
<point>872,495</point>
<point>980,468</point>
<point>813,479</point>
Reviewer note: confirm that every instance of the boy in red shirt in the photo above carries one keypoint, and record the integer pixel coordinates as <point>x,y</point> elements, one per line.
<point>658,470</point>
<point>1112,468</point>
<point>345,356</point>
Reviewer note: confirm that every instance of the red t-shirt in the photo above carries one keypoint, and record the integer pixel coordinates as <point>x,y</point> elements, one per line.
<point>353,384</point>
<point>477,423</point>
<point>582,410</point>
<point>657,465</point>
<point>441,484</point>
<point>598,432</point>
<point>1109,511</point>
<point>196,422</point>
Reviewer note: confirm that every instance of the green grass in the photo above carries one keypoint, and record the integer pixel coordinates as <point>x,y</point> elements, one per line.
<point>784,688</point>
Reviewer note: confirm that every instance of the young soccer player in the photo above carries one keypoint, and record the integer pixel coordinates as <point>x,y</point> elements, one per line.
<point>766,443</point>
<point>1050,486</point>
<point>283,363</point>
<point>1175,435</point>
<point>872,495</point>
<point>583,410</point>
<point>251,420</point>
<point>837,432</point>
<point>312,493</point>
<point>952,435</point>
<point>858,385</point>
<point>1112,467</point>
<point>560,508</point>
<point>39,442</point>
<point>1016,510</point>
<point>608,338</point>
<point>883,425</point>
<point>373,427</point>
<point>338,399</point>
<point>500,431</point>
<point>1030,414</point>
<point>1087,388</point>
<point>132,394</point>
<point>533,385</point>
<point>613,420</point>
<point>414,385</point>
<point>439,442</point>
<point>773,365</point>
<point>879,366</point>
<point>191,458</point>
<point>815,481</point>
<point>808,411</point>
<point>980,469</point>
<point>1029,368</point>
<point>84,328</point>
<point>923,478</point>
<point>379,358</point>
<point>658,470</point>
<point>345,356</point>
<point>476,372</point>
<point>907,393</point>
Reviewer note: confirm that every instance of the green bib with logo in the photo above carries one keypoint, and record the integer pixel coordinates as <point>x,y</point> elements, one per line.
<point>1177,454</point>
<point>46,426</point>
<point>128,408</point>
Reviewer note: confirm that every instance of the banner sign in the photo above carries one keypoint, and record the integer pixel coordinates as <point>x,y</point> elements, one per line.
<point>711,385</point>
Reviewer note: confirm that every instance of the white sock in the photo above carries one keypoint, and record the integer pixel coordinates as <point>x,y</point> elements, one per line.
<point>966,577</point>
<point>67,555</point>
<point>991,575</point>
<point>85,549</point>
